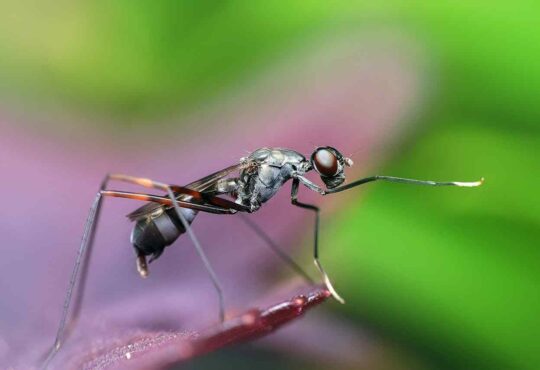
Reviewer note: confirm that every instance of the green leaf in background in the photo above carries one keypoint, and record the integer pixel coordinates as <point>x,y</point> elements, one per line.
<point>487,55</point>
<point>450,270</point>
<point>128,59</point>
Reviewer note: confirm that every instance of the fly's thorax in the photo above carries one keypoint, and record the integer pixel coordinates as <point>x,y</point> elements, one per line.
<point>258,187</point>
<point>276,156</point>
<point>272,168</point>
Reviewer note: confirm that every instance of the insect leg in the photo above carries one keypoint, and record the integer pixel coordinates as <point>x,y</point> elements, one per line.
<point>197,195</point>
<point>294,201</point>
<point>312,186</point>
<point>168,188</point>
<point>276,248</point>
<point>167,201</point>
<point>83,254</point>
<point>404,181</point>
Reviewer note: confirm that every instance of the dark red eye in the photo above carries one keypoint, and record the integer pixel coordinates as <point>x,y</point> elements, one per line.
<point>326,162</point>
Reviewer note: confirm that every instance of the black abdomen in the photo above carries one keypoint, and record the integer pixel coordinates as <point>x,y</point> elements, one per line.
<point>151,235</point>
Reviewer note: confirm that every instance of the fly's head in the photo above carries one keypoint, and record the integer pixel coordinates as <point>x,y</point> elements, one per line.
<point>330,164</point>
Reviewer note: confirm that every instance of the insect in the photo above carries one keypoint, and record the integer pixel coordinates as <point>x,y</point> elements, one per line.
<point>251,182</point>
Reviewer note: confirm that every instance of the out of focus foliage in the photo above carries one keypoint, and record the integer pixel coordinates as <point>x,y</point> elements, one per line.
<point>126,58</point>
<point>130,59</point>
<point>451,274</point>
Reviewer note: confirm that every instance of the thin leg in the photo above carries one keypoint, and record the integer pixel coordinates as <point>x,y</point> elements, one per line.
<point>167,201</point>
<point>85,249</point>
<point>168,188</point>
<point>276,248</point>
<point>87,237</point>
<point>311,185</point>
<point>404,181</point>
<point>294,201</point>
<point>206,198</point>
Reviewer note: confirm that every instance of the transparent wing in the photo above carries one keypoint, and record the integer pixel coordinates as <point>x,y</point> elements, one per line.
<point>209,181</point>
<point>201,185</point>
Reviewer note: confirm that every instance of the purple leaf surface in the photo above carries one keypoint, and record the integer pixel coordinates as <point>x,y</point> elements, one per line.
<point>169,348</point>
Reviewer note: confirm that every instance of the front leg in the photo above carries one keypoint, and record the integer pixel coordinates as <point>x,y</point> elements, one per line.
<point>294,201</point>
<point>404,181</point>
<point>311,185</point>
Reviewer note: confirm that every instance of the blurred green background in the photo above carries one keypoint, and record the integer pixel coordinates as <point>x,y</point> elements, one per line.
<point>443,284</point>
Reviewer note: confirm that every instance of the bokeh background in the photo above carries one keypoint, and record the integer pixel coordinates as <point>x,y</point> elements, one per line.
<point>434,278</point>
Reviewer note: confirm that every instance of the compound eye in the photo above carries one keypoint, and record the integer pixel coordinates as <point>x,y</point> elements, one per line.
<point>325,162</point>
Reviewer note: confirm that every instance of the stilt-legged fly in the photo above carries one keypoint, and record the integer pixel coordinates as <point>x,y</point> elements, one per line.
<point>251,182</point>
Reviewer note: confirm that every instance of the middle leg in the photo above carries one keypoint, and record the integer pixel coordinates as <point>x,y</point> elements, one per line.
<point>276,248</point>
<point>294,201</point>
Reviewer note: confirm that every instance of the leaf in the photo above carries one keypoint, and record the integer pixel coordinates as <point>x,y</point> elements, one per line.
<point>161,349</point>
